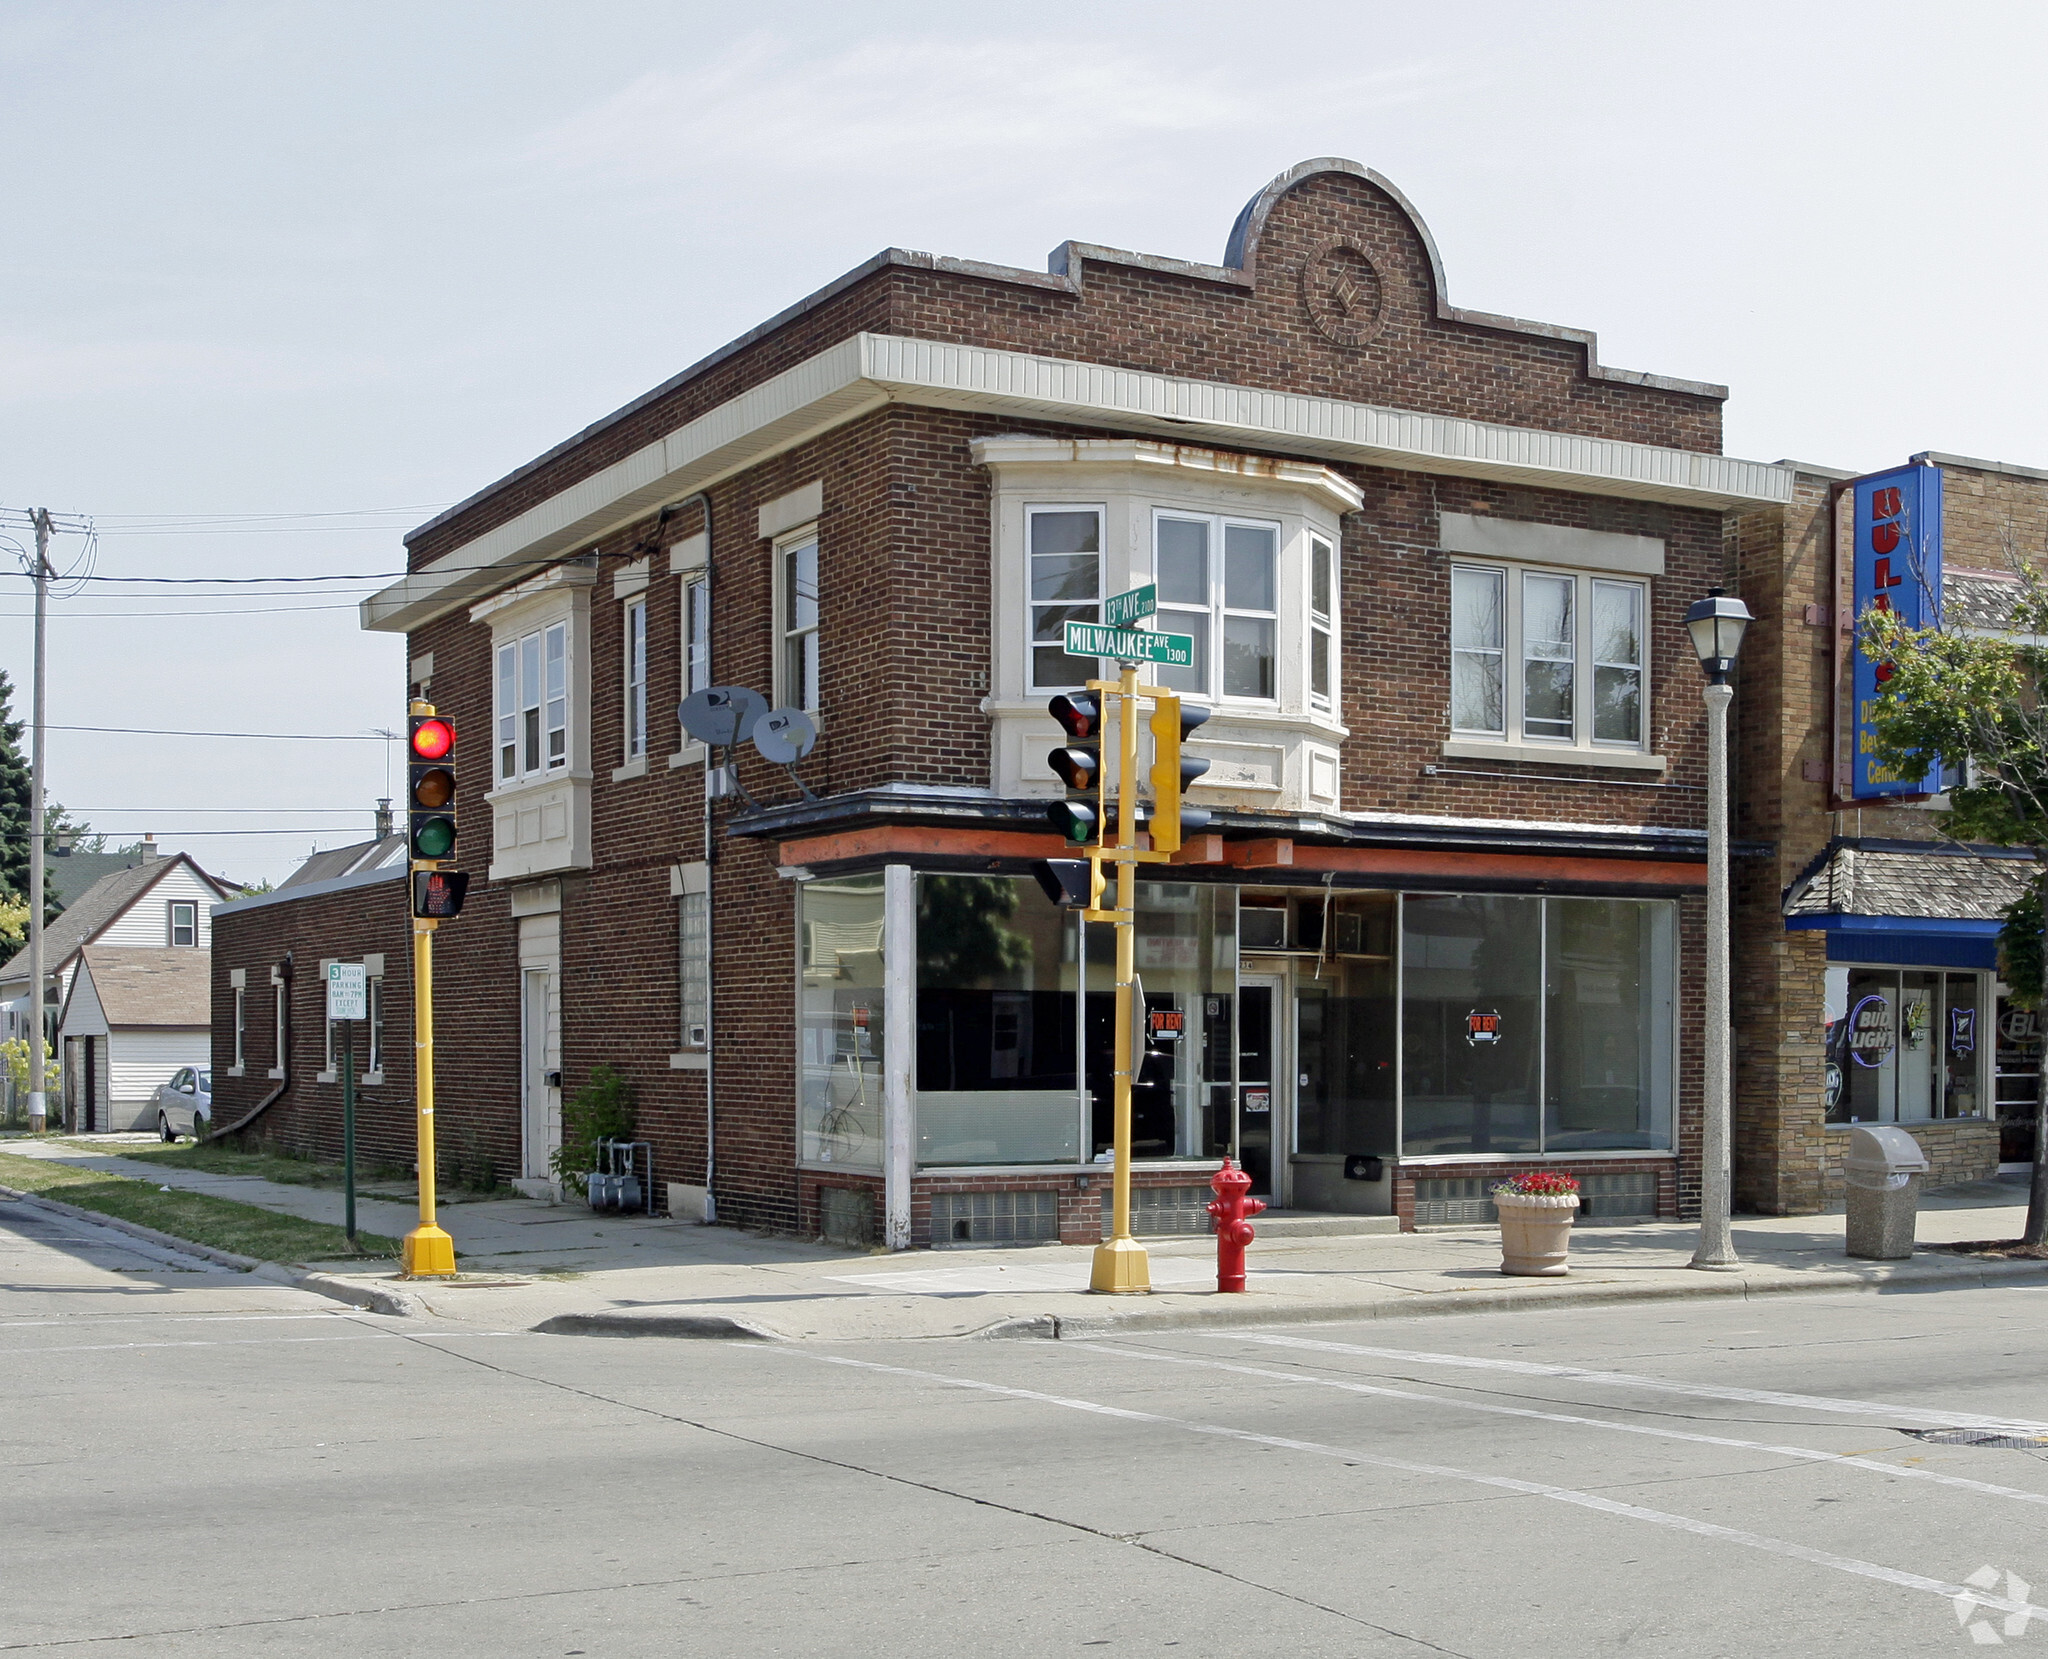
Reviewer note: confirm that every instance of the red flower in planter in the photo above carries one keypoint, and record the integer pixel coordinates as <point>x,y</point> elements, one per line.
<point>1540,1183</point>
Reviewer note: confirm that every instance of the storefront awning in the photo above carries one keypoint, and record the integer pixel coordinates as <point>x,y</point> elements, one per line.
<point>1909,901</point>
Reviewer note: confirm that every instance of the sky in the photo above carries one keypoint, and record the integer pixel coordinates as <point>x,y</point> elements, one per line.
<point>278,281</point>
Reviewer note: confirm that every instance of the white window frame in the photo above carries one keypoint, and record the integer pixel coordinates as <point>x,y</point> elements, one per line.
<point>373,1062</point>
<point>1513,733</point>
<point>635,662</point>
<point>696,633</point>
<point>1032,509</point>
<point>532,688</point>
<point>241,1026</point>
<point>171,920</point>
<point>278,1020</point>
<point>693,938</point>
<point>1219,611</point>
<point>1322,624</point>
<point>790,692</point>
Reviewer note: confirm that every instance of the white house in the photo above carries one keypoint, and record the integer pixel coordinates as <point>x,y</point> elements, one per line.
<point>134,1015</point>
<point>162,903</point>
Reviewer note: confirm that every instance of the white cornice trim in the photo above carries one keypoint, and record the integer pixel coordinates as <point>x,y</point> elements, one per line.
<point>1009,450</point>
<point>866,371</point>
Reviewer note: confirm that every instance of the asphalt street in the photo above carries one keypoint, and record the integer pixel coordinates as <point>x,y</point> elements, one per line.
<point>202,1463</point>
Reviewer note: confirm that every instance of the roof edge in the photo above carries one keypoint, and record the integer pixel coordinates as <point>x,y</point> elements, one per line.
<point>311,890</point>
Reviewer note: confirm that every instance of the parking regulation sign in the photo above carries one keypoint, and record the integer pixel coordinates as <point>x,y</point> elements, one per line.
<point>348,991</point>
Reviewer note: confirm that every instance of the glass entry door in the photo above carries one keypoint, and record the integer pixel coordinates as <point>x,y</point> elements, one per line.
<point>1261,1075</point>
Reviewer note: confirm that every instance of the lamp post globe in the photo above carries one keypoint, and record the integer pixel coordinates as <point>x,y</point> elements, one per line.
<point>1717,624</point>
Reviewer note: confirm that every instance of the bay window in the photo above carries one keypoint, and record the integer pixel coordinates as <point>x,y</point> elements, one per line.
<point>1547,657</point>
<point>1231,601</point>
<point>533,704</point>
<point>1066,586</point>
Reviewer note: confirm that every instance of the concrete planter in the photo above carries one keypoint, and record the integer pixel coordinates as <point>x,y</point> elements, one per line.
<point>1535,1233</point>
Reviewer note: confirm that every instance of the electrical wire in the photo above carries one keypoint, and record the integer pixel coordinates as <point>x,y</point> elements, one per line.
<point>296,737</point>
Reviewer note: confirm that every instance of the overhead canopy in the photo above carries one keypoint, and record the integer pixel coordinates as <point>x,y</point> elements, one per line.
<point>1909,902</point>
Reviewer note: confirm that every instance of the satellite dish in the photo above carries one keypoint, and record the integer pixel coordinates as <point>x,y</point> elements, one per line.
<point>721,715</point>
<point>785,736</point>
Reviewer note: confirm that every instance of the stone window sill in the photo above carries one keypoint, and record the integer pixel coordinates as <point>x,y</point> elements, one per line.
<point>634,768</point>
<point>375,1078</point>
<point>327,1077</point>
<point>275,1071</point>
<point>690,1060</point>
<point>691,754</point>
<point>233,1071</point>
<point>1633,760</point>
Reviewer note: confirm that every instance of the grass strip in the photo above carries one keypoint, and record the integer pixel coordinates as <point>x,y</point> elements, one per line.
<point>197,1216</point>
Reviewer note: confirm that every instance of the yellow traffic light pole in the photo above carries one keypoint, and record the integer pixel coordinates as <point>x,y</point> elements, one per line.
<point>1121,1266</point>
<point>429,1253</point>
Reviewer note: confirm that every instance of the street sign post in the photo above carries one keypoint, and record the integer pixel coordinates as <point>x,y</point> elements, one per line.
<point>348,998</point>
<point>1090,639</point>
<point>1126,608</point>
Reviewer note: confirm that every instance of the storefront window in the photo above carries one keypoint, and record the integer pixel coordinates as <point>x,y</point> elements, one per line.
<point>998,1024</point>
<point>1904,1045</point>
<point>840,1036</point>
<point>1535,1025</point>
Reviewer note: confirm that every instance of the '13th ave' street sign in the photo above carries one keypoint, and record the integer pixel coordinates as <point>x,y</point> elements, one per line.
<point>1126,608</point>
<point>1089,639</point>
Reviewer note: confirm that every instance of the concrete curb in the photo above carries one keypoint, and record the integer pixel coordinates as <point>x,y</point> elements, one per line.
<point>1243,1311</point>
<point>714,1326</point>
<point>373,1298</point>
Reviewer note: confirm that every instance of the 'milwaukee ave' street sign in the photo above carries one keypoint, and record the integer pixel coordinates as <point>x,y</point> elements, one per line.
<point>1090,639</point>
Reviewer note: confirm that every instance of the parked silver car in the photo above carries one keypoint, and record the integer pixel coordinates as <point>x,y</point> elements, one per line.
<point>184,1105</point>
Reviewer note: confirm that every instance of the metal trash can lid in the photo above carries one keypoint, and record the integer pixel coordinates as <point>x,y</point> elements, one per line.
<point>1884,1148</point>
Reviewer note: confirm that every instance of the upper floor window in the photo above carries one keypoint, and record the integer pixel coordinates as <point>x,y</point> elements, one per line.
<point>1218,583</point>
<point>696,635</point>
<point>1322,610</point>
<point>798,578</point>
<point>184,922</point>
<point>533,703</point>
<point>1545,656</point>
<point>636,679</point>
<point>1065,552</point>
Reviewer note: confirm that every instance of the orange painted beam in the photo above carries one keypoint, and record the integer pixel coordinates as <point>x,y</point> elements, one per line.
<point>1418,864</point>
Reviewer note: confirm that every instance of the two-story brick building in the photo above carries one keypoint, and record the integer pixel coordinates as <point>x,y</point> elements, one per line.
<point>1446,923</point>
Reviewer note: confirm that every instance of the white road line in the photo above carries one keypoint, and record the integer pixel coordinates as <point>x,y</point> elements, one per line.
<point>232,1342</point>
<point>181,1318</point>
<point>1624,1379</point>
<point>1807,1453</point>
<point>1784,1547</point>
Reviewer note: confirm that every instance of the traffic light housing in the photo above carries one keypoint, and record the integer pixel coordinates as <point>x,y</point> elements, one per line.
<point>1172,771</point>
<point>1071,883</point>
<point>438,894</point>
<point>1077,763</point>
<point>430,788</point>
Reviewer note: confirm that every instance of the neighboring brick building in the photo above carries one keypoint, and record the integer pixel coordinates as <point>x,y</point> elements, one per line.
<point>276,1062</point>
<point>1866,985</point>
<point>1447,925</point>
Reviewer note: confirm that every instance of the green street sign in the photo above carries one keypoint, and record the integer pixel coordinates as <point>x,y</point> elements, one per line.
<point>1127,608</point>
<point>1089,639</point>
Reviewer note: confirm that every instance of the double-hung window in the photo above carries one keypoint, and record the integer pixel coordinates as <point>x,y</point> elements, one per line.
<point>696,635</point>
<point>533,704</point>
<point>241,1023</point>
<point>184,922</point>
<point>800,617</point>
<point>375,1063</point>
<point>1065,552</point>
<point>1219,583</point>
<point>1547,657</point>
<point>636,679</point>
<point>1322,644</point>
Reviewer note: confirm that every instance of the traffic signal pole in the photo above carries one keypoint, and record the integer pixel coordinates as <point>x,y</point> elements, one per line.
<point>429,1252</point>
<point>1121,1266</point>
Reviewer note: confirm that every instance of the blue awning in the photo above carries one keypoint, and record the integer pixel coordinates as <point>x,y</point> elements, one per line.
<point>1921,941</point>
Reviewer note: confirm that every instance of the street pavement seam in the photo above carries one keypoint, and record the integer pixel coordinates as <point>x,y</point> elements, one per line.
<point>1782,1547</point>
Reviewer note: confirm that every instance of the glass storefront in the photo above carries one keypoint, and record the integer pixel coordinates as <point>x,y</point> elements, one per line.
<point>1904,1045</point>
<point>1354,1027</point>
<point>1535,1025</point>
<point>839,1023</point>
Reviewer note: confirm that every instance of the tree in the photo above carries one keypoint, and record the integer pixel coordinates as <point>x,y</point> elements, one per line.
<point>1982,704</point>
<point>15,792</point>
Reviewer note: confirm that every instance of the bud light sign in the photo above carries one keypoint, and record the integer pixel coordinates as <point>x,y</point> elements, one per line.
<point>1898,569</point>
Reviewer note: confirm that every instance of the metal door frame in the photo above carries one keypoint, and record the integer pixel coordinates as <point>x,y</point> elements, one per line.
<point>533,1069</point>
<point>1280,979</point>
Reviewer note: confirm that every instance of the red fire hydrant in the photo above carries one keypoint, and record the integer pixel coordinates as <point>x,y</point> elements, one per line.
<point>1233,1212</point>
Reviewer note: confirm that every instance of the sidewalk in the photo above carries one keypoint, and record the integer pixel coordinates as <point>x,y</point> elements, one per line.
<point>564,1269</point>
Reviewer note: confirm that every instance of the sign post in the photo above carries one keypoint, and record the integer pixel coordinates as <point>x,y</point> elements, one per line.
<point>348,1000</point>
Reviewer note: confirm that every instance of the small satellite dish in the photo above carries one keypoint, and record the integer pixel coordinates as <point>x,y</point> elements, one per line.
<point>785,736</point>
<point>721,715</point>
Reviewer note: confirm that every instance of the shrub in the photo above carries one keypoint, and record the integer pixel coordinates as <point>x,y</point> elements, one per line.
<point>603,1111</point>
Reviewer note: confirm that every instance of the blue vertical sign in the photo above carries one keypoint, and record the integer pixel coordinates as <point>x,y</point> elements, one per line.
<point>1898,568</point>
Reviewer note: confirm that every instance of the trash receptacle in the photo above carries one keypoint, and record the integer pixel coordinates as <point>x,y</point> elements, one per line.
<point>1882,1174</point>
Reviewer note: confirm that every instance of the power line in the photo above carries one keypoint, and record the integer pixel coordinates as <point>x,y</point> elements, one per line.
<point>233,610</point>
<point>211,809</point>
<point>296,737</point>
<point>180,835</point>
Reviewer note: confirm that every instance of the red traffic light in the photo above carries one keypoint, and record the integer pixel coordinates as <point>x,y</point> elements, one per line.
<point>1080,713</point>
<point>432,739</point>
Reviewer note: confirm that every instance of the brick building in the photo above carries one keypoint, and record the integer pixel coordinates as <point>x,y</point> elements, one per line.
<point>1447,922</point>
<point>1866,970</point>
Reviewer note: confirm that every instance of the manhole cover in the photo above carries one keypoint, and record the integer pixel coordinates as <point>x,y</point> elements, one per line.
<point>1981,1437</point>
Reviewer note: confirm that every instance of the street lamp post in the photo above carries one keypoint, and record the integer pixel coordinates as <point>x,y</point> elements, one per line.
<point>1716,624</point>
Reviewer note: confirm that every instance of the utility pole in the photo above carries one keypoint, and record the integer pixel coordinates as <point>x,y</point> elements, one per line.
<point>38,1108</point>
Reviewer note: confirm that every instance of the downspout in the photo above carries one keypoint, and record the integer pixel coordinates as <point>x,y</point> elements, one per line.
<point>284,973</point>
<point>702,501</point>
